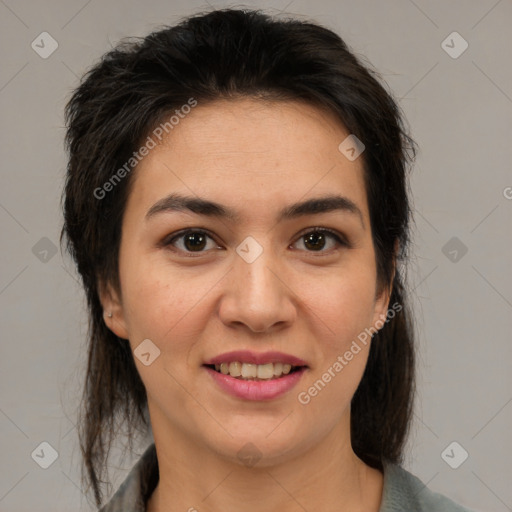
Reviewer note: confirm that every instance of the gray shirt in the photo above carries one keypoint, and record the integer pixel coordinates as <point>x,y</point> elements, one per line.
<point>402,491</point>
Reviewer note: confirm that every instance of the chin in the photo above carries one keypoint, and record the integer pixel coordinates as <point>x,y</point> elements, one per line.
<point>259,450</point>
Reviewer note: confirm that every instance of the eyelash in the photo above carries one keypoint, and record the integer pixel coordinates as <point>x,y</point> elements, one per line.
<point>175,236</point>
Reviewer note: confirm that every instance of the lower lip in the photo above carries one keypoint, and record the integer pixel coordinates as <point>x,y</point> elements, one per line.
<point>256,389</point>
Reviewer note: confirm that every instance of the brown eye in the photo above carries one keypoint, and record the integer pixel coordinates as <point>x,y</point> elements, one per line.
<point>194,241</point>
<point>191,241</point>
<point>316,240</point>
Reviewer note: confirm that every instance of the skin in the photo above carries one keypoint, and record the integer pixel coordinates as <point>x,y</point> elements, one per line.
<point>255,157</point>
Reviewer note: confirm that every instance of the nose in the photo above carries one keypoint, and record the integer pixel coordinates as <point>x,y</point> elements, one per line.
<point>258,295</point>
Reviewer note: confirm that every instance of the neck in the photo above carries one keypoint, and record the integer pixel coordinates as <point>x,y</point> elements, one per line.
<point>327,476</point>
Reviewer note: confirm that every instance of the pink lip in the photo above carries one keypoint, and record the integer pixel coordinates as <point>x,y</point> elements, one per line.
<point>247,356</point>
<point>254,389</point>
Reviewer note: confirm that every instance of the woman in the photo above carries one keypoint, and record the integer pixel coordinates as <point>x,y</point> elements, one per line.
<point>236,203</point>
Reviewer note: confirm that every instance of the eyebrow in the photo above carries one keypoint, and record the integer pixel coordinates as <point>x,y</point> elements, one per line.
<point>177,202</point>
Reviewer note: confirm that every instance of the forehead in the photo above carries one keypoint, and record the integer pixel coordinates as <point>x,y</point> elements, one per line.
<point>251,155</point>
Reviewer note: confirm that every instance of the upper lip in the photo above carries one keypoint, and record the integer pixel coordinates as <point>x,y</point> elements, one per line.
<point>247,356</point>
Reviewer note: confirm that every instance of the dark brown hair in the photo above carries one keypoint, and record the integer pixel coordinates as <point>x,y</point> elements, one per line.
<point>227,54</point>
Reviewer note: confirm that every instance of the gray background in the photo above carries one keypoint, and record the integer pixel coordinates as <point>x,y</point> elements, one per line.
<point>460,112</point>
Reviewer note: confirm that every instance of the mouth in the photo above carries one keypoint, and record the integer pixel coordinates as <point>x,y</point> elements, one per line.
<point>256,376</point>
<point>255,372</point>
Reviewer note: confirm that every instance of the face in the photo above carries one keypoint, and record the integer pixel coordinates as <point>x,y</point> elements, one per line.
<point>269,278</point>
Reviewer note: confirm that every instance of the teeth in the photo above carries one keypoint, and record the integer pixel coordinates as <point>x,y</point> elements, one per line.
<point>265,371</point>
<point>250,371</point>
<point>235,369</point>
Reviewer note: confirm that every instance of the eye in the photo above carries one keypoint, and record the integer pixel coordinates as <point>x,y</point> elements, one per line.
<point>190,241</point>
<point>315,240</point>
<point>196,241</point>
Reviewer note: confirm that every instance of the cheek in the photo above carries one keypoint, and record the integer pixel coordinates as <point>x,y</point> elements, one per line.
<point>327,395</point>
<point>347,309</point>
<point>343,303</point>
<point>165,305</point>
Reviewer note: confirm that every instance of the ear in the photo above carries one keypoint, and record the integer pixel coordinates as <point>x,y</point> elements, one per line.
<point>382,299</point>
<point>113,313</point>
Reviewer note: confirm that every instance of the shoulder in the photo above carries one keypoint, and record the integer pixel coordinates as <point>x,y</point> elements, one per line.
<point>404,492</point>
<point>137,486</point>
